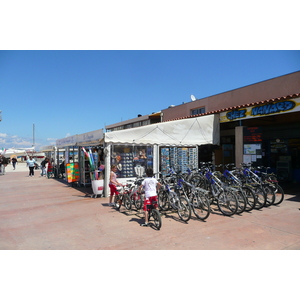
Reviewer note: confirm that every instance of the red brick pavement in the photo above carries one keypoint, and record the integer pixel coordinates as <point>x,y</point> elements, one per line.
<point>40,213</point>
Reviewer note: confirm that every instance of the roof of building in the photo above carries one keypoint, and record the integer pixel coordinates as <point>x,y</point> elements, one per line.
<point>240,106</point>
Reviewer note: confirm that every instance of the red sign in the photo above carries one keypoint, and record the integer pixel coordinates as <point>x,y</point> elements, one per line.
<point>252,134</point>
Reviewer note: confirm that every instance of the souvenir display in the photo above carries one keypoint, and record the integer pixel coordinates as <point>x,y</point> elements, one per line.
<point>178,158</point>
<point>131,161</point>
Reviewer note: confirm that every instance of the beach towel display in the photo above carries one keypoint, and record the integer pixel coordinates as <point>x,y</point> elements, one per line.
<point>73,174</point>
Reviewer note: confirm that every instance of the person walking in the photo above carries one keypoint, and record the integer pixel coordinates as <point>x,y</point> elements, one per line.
<point>14,161</point>
<point>31,164</point>
<point>150,186</point>
<point>43,167</point>
<point>3,164</point>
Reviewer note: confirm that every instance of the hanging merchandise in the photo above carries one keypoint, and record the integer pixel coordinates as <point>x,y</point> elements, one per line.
<point>73,173</point>
<point>179,158</point>
<point>131,160</point>
<point>92,166</point>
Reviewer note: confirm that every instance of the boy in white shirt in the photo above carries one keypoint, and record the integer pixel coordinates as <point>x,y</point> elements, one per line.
<point>150,186</point>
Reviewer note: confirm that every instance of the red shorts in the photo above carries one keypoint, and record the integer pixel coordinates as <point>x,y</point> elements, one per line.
<point>150,201</point>
<point>113,190</point>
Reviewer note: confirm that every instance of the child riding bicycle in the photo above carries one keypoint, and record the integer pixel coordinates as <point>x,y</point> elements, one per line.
<point>150,186</point>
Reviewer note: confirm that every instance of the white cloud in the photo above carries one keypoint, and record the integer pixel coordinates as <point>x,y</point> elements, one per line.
<point>14,141</point>
<point>7,141</point>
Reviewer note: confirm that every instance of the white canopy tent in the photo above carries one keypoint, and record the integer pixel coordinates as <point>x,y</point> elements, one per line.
<point>179,133</point>
<point>187,132</point>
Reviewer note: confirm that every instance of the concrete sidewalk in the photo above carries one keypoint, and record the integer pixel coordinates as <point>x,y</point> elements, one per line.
<point>20,167</point>
<point>41,213</point>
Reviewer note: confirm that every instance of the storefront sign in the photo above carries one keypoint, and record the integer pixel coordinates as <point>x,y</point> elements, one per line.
<point>90,137</point>
<point>81,139</point>
<point>67,141</point>
<point>263,110</point>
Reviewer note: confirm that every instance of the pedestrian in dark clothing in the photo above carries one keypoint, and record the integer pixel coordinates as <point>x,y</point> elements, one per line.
<point>43,166</point>
<point>14,161</point>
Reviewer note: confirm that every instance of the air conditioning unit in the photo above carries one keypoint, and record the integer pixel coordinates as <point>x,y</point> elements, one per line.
<point>284,171</point>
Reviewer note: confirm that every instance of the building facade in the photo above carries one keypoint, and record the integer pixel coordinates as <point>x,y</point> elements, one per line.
<point>259,124</point>
<point>269,89</point>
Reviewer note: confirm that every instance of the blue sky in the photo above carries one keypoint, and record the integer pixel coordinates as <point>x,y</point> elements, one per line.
<point>138,61</point>
<point>71,92</point>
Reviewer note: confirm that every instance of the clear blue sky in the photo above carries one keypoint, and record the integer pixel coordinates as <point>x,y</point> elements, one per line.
<point>71,92</point>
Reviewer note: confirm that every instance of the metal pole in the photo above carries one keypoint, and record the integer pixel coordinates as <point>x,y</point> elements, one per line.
<point>33,140</point>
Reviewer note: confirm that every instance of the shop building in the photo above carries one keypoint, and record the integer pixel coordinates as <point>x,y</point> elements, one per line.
<point>81,156</point>
<point>269,89</point>
<point>259,123</point>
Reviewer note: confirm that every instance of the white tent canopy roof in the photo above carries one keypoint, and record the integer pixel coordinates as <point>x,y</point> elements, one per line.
<point>91,138</point>
<point>187,132</point>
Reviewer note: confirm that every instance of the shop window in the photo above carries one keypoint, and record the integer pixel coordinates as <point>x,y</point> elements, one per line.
<point>146,122</point>
<point>137,124</point>
<point>197,111</point>
<point>128,126</point>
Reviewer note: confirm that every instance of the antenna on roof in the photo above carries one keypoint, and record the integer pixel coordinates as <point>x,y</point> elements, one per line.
<point>193,98</point>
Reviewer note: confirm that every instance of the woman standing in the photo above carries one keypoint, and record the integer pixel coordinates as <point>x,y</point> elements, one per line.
<point>31,164</point>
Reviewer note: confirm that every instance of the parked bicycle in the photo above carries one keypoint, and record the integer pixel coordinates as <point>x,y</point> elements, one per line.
<point>199,201</point>
<point>197,197</point>
<point>225,197</point>
<point>169,200</point>
<point>272,178</point>
<point>122,197</point>
<point>135,198</point>
<point>251,176</point>
<point>245,189</point>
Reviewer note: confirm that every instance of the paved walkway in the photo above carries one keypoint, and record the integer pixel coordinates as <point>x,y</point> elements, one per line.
<point>41,213</point>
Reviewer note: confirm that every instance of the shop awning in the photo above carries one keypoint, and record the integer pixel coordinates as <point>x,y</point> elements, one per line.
<point>188,132</point>
<point>92,138</point>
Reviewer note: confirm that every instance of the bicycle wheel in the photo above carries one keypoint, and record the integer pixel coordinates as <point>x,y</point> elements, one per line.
<point>269,190</point>
<point>241,201</point>
<point>163,200</point>
<point>250,198</point>
<point>127,202</point>
<point>184,209</point>
<point>118,202</point>
<point>227,203</point>
<point>200,206</point>
<point>261,197</point>
<point>156,217</point>
<point>139,200</point>
<point>279,194</point>
<point>199,181</point>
